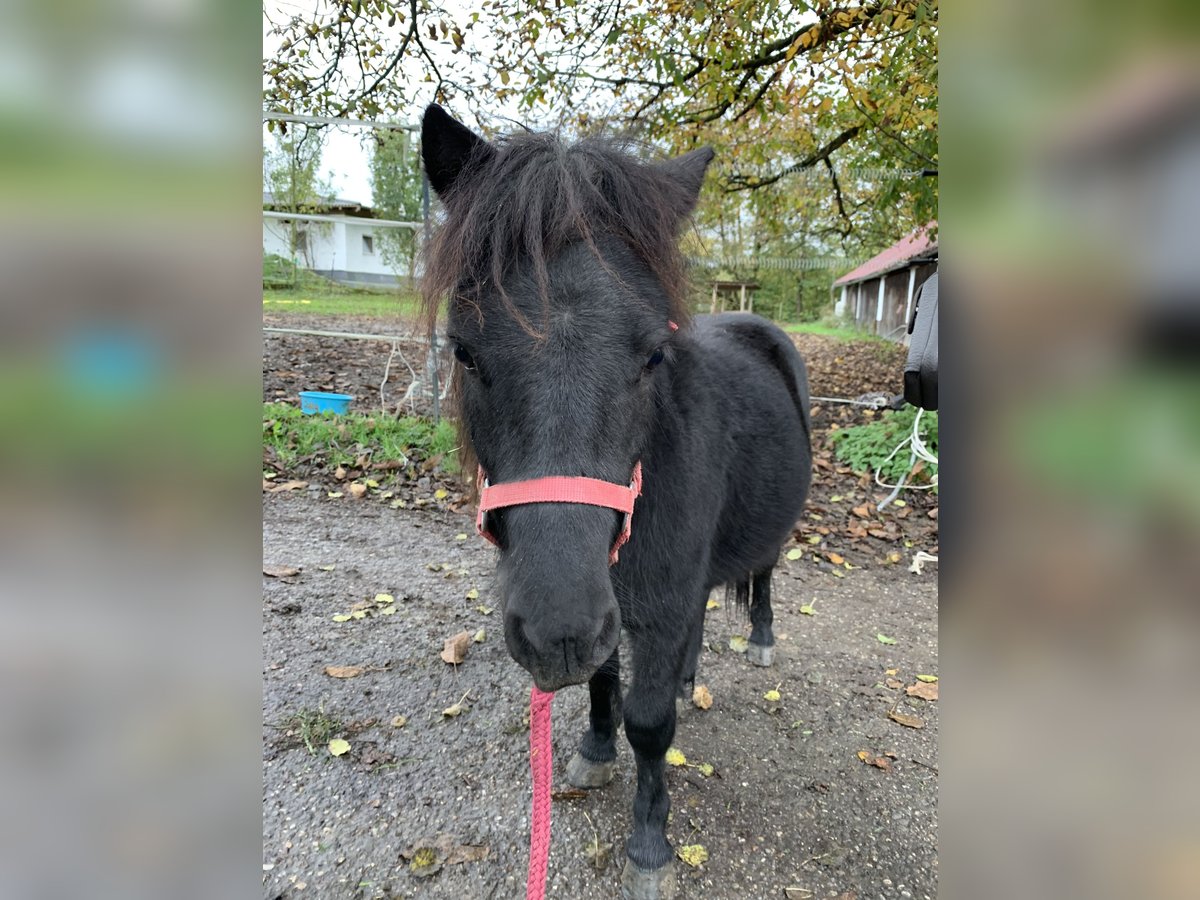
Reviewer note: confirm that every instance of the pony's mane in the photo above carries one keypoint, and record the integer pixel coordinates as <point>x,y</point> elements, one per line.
<point>525,197</point>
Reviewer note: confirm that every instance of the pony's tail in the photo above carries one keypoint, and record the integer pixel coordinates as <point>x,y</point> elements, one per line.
<point>738,593</point>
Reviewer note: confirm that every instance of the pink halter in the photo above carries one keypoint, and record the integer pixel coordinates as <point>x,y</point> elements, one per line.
<point>563,489</point>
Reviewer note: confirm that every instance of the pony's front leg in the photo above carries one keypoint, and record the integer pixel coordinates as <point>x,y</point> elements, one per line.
<point>650,728</point>
<point>592,766</point>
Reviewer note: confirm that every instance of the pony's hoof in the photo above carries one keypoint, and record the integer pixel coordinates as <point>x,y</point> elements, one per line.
<point>760,655</point>
<point>583,773</point>
<point>647,884</point>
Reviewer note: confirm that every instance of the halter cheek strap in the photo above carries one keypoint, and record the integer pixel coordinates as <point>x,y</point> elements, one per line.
<point>561,489</point>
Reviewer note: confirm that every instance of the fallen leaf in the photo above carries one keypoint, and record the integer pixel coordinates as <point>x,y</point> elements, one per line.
<point>461,536</point>
<point>455,649</point>
<point>338,747</point>
<point>326,568</point>
<point>358,491</point>
<point>358,614</point>
<point>371,482</point>
<point>387,495</point>
<point>891,671</point>
<point>713,603</point>
<point>399,721</point>
<point>795,553</point>
<point>287,486</point>
<point>702,697</point>
<point>693,854</point>
<point>928,679</point>
<point>862,512</point>
<point>894,683</point>
<point>344,671</point>
<point>675,757</point>
<point>808,609</point>
<point>339,473</point>
<point>455,710</point>
<point>884,639</point>
<point>738,643</point>
<point>486,610</point>
<point>923,691</point>
<point>893,558</point>
<point>384,598</point>
<point>836,558</point>
<point>706,770</point>
<point>879,762</point>
<point>795,892</point>
<point>334,495</point>
<point>480,636</point>
<point>267,476</point>
<point>441,494</point>
<point>772,696</point>
<point>814,539</point>
<point>387,611</point>
<point>342,617</point>
<point>280,571</point>
<point>906,720</point>
<point>473,594</point>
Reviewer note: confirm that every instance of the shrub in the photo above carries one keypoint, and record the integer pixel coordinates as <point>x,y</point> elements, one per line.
<point>867,447</point>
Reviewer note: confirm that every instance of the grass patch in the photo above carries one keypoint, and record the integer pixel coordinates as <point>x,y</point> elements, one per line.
<point>364,304</point>
<point>343,440</point>
<point>311,727</point>
<point>867,447</point>
<point>841,332</point>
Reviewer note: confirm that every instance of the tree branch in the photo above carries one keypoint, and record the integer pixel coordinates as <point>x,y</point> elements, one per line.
<point>752,182</point>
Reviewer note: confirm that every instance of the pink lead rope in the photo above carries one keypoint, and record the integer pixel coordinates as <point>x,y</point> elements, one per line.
<point>541,764</point>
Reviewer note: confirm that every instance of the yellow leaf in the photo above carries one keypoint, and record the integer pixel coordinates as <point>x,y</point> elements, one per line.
<point>333,495</point>
<point>384,598</point>
<point>387,611</point>
<point>371,483</point>
<point>795,553</point>
<point>863,754</point>
<point>461,536</point>
<point>713,603</point>
<point>441,494</point>
<point>341,617</point>
<point>738,643</point>
<point>693,854</point>
<point>338,746</point>
<point>480,636</point>
<point>814,539</point>
<point>772,696</point>
<point>473,594</point>
<point>891,671</point>
<point>928,679</point>
<point>326,568</point>
<point>675,757</point>
<point>399,721</point>
<point>808,610</point>
<point>706,770</point>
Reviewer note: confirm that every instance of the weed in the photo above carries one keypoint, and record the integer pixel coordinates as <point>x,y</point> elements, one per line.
<point>342,440</point>
<point>867,447</point>
<point>312,727</point>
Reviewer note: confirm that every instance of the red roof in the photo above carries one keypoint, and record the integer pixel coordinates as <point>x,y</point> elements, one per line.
<point>916,244</point>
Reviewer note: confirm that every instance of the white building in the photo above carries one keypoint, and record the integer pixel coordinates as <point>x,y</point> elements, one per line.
<point>339,241</point>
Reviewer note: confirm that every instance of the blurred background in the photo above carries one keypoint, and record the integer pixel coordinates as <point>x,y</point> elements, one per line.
<point>131,142</point>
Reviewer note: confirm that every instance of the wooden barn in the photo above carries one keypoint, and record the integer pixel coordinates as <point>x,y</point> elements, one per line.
<point>878,295</point>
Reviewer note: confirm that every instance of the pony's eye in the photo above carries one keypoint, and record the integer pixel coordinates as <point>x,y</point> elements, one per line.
<point>655,358</point>
<point>461,354</point>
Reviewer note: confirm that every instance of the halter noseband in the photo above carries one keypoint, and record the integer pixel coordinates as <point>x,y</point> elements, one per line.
<point>563,489</point>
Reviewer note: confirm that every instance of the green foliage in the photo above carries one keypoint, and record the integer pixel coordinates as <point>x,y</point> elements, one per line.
<point>313,727</point>
<point>291,173</point>
<point>341,440</point>
<point>396,191</point>
<point>867,447</point>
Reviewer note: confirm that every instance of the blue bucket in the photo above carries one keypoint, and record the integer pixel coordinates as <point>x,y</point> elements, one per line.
<point>322,401</point>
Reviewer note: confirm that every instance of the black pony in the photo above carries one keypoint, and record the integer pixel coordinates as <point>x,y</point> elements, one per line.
<point>564,279</point>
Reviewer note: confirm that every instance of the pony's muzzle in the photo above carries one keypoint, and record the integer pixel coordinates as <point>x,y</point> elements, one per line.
<point>558,653</point>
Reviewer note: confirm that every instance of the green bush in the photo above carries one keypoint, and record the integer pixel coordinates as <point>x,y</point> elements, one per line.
<point>864,448</point>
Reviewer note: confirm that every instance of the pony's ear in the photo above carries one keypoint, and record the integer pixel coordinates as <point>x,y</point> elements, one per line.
<point>687,174</point>
<point>448,147</point>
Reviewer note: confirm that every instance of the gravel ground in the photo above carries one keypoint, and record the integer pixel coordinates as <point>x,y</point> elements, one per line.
<point>790,811</point>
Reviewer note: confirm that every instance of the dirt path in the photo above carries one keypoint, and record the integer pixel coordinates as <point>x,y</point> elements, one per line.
<point>790,804</point>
